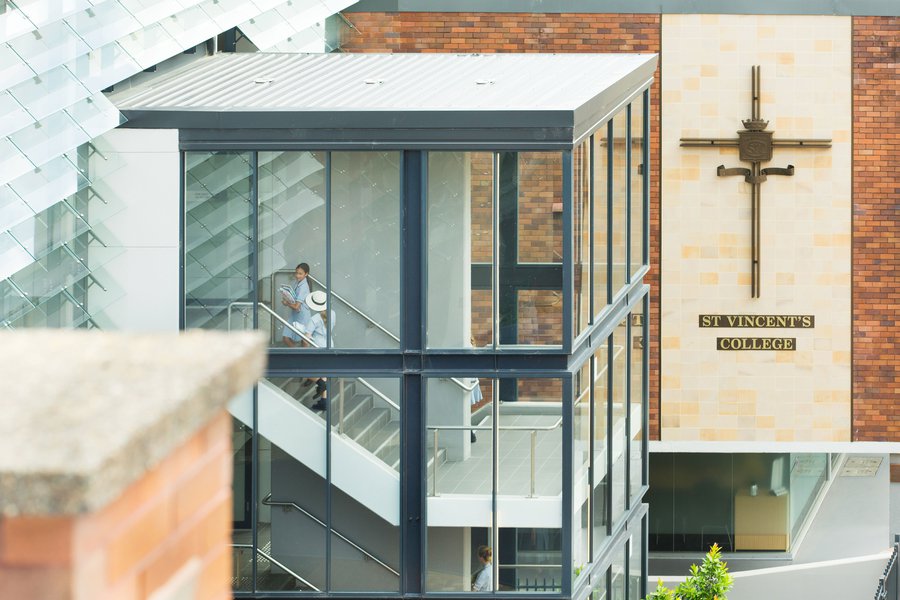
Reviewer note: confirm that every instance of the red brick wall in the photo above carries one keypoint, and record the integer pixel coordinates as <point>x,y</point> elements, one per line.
<point>876,214</point>
<point>534,32</point>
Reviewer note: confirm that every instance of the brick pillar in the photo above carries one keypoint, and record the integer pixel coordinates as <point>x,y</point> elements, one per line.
<point>132,497</point>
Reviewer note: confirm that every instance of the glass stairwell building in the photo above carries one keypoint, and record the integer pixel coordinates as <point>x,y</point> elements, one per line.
<point>447,255</point>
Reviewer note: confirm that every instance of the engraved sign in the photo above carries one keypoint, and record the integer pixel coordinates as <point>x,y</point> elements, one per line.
<point>759,321</point>
<point>753,343</point>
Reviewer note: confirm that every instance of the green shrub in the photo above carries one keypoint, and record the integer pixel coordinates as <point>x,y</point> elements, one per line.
<point>709,581</point>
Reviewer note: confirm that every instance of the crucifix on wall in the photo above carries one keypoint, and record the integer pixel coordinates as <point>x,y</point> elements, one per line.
<point>755,145</point>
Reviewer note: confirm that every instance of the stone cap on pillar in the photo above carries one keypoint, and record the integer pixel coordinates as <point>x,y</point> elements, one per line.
<point>87,413</point>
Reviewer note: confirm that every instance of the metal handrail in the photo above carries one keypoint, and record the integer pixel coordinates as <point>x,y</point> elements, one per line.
<point>273,560</point>
<point>269,502</point>
<point>312,343</point>
<point>363,315</point>
<point>533,429</point>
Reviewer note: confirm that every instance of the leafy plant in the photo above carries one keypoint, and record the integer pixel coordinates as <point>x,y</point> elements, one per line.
<point>661,593</point>
<point>710,581</point>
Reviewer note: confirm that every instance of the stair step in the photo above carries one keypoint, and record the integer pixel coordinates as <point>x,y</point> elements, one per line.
<point>386,441</point>
<point>355,408</point>
<point>363,429</point>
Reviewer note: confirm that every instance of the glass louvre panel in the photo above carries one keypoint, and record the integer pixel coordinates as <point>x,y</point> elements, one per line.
<point>50,92</point>
<point>49,230</point>
<point>365,541</point>
<point>190,27</point>
<point>619,407</point>
<point>13,69</point>
<point>150,46</point>
<point>619,202</point>
<point>311,39</point>
<point>49,138</point>
<point>12,162</point>
<point>103,23</point>
<point>365,249</point>
<point>13,23</point>
<point>267,29</point>
<point>228,13</point>
<point>49,47</point>
<point>41,12</point>
<point>12,303</point>
<point>13,209</point>
<point>460,249</point>
<point>637,184</point>
<point>96,115</point>
<point>601,477</point>
<point>12,115</point>
<point>46,278</point>
<point>13,256</point>
<point>581,215</point>
<point>291,232</point>
<point>218,267</point>
<point>49,184</point>
<point>600,239</point>
<point>103,67</point>
<point>151,11</point>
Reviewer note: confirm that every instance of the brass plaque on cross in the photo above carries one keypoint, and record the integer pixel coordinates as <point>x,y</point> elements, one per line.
<point>755,145</point>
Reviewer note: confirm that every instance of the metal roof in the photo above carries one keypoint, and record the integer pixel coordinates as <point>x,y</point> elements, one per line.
<point>400,100</point>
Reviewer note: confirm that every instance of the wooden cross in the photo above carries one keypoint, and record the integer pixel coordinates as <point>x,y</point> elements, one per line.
<point>755,145</point>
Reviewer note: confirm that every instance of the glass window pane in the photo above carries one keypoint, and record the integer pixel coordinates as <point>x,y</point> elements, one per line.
<point>539,224</point>
<point>637,183</point>
<point>807,477</point>
<point>13,23</point>
<point>636,407</point>
<point>619,202</point>
<point>618,574</point>
<point>635,577</point>
<point>620,405</point>
<point>13,256</point>
<point>226,13</point>
<point>581,468</point>
<point>460,249</point>
<point>599,194</point>
<point>151,11</point>
<point>529,556</point>
<point>365,249</point>
<point>581,206</point>
<point>459,484</point>
<point>218,247</point>
<point>40,12</point>
<point>600,516</point>
<point>292,507</point>
<point>291,244</point>
<point>365,484</point>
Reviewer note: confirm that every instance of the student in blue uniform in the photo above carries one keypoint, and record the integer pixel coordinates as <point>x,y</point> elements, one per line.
<point>294,297</point>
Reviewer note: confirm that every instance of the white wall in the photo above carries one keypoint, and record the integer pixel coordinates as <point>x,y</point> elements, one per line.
<point>137,172</point>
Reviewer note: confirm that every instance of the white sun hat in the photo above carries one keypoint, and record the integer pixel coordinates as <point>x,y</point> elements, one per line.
<point>317,301</point>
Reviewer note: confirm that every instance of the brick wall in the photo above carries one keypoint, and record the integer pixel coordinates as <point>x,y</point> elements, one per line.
<point>876,214</point>
<point>527,32</point>
<point>168,534</point>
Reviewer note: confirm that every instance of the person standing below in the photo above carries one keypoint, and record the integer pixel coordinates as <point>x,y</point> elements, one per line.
<point>485,577</point>
<point>294,297</point>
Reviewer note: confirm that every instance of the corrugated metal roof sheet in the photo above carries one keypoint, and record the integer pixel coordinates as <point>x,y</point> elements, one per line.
<point>383,91</point>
